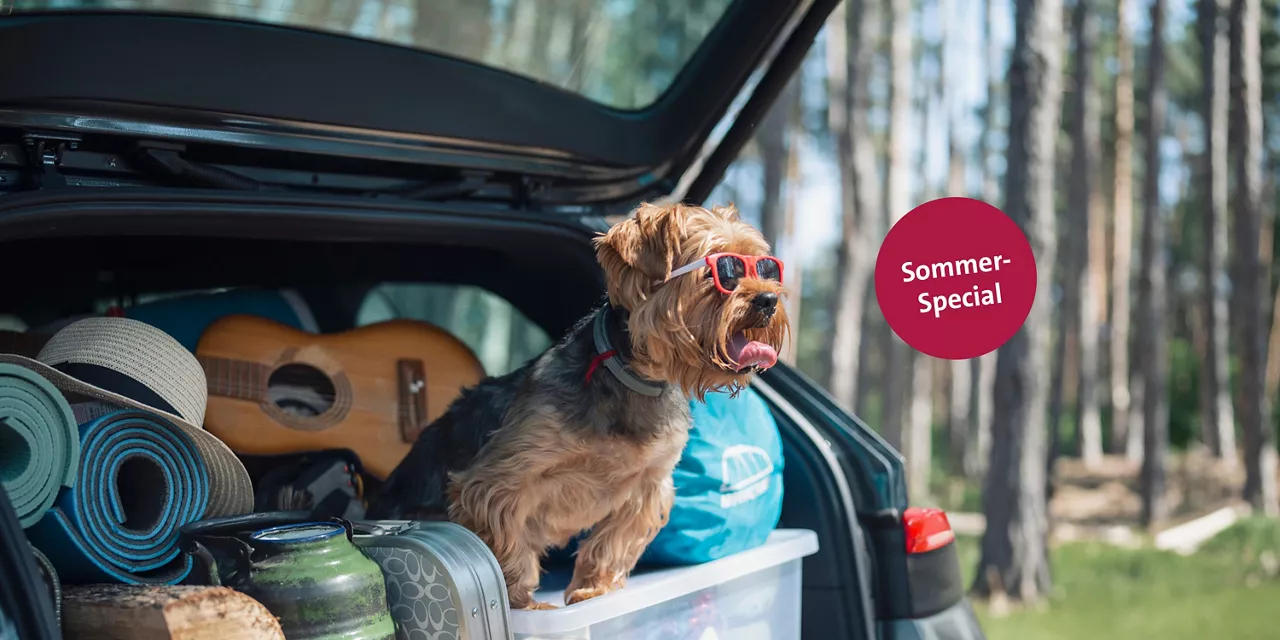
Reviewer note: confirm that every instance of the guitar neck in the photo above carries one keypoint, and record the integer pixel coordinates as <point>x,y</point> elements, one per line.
<point>239,379</point>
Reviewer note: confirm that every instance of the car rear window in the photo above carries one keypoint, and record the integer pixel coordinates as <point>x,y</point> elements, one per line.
<point>623,53</point>
<point>501,337</point>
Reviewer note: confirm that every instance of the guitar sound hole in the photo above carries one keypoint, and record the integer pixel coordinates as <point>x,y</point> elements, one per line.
<point>301,390</point>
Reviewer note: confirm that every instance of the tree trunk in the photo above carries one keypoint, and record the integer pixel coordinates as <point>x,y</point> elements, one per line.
<point>1272,382</point>
<point>872,355</point>
<point>771,139</point>
<point>1153,293</point>
<point>897,202</point>
<point>1122,252</point>
<point>977,449</point>
<point>586,40</point>
<point>1272,387</point>
<point>1218,421</point>
<point>1095,315</point>
<point>919,440</point>
<point>851,59</point>
<point>1137,416</point>
<point>1064,386</point>
<point>919,437</point>
<point>1087,234</point>
<point>1066,364</point>
<point>461,27</point>
<point>1255,410</point>
<point>795,277</point>
<point>1014,557</point>
<point>844,339</point>
<point>776,140</point>
<point>959,414</point>
<point>960,398</point>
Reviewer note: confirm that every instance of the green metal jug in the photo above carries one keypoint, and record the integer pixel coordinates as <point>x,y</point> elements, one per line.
<point>308,574</point>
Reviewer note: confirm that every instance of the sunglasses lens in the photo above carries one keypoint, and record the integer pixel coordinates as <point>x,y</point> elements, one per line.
<point>730,270</point>
<point>769,269</point>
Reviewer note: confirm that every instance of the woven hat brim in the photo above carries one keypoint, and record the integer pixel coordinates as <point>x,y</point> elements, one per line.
<point>230,490</point>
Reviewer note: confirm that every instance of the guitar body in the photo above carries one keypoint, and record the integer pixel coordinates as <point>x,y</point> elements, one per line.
<point>276,390</point>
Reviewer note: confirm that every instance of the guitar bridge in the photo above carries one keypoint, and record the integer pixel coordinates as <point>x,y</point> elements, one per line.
<point>412,387</point>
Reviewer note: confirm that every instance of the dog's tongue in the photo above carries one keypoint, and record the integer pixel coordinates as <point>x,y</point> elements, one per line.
<point>751,353</point>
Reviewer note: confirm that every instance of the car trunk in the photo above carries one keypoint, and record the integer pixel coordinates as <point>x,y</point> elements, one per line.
<point>80,255</point>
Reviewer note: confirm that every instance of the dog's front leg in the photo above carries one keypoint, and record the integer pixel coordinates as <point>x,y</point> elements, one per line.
<point>609,553</point>
<point>521,566</point>
<point>497,512</point>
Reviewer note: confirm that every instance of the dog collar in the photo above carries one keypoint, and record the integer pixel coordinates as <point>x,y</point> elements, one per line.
<point>607,355</point>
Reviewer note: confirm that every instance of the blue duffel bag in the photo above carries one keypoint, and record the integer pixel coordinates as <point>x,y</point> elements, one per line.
<point>728,482</point>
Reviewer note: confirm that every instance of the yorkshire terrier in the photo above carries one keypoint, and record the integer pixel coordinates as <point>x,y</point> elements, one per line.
<point>586,436</point>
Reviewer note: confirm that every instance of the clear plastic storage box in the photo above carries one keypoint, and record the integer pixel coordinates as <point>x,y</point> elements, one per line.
<point>753,595</point>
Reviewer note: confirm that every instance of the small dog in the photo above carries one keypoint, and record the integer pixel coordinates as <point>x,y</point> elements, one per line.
<point>586,436</point>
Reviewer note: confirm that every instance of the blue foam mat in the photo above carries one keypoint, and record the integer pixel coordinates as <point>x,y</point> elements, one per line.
<point>140,479</point>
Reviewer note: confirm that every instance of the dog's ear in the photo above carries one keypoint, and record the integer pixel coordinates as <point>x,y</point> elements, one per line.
<point>637,253</point>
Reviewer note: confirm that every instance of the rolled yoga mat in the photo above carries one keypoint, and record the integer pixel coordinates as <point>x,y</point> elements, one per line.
<point>39,442</point>
<point>140,479</point>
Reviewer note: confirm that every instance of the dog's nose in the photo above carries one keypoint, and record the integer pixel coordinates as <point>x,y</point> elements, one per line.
<point>765,301</point>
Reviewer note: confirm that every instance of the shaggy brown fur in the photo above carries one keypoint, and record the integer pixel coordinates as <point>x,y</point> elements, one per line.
<point>562,445</point>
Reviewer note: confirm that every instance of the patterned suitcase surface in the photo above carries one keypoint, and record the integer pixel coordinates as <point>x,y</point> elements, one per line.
<point>443,583</point>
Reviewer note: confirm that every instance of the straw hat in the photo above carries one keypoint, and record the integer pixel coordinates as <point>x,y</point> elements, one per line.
<point>135,365</point>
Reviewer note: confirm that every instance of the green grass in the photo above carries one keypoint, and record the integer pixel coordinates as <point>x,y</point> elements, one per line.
<point>1229,589</point>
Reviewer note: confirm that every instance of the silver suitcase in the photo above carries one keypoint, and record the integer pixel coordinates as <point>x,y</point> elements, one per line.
<point>442,580</point>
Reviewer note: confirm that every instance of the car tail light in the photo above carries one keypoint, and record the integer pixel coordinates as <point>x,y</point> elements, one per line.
<point>926,529</point>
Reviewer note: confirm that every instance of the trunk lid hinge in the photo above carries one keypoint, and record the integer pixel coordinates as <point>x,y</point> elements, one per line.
<point>44,156</point>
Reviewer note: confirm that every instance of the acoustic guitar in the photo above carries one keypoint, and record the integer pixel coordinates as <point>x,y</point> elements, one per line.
<point>275,390</point>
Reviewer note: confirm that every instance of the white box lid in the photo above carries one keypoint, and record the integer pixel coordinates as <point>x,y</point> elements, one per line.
<point>648,588</point>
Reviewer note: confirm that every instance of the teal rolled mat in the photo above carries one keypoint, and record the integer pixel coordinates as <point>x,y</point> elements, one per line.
<point>39,442</point>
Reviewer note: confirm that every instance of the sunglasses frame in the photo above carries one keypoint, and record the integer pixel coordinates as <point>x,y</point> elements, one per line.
<point>710,263</point>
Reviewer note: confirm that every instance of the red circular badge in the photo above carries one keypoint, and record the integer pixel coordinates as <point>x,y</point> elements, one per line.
<point>955,278</point>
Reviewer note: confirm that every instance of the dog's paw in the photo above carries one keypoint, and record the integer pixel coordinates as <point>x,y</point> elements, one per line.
<point>540,606</point>
<point>586,593</point>
<point>525,602</point>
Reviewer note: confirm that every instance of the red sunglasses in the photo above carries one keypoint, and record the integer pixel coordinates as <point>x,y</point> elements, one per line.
<point>727,269</point>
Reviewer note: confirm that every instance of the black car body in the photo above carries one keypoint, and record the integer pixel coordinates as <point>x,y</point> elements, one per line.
<point>154,152</point>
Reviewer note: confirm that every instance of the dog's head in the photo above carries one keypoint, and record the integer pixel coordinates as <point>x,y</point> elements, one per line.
<point>693,330</point>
